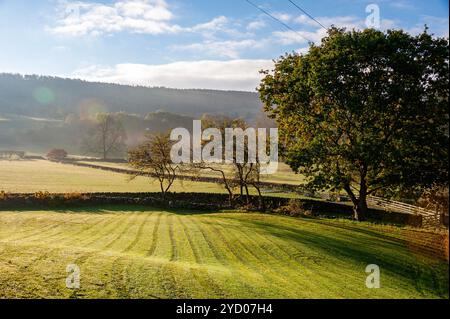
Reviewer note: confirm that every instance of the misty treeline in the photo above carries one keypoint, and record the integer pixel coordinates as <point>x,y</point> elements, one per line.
<point>55,98</point>
<point>81,134</point>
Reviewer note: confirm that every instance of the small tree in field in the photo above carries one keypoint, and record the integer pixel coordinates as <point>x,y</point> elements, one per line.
<point>106,136</point>
<point>153,158</point>
<point>57,154</point>
<point>364,111</point>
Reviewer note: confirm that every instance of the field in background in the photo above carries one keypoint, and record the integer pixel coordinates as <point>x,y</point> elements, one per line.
<point>39,175</point>
<point>284,175</point>
<point>133,252</point>
<point>29,176</point>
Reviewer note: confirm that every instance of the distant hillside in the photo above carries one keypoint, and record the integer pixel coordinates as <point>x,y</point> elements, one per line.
<point>51,97</point>
<point>39,135</point>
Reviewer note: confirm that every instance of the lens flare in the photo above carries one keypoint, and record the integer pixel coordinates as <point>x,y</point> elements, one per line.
<point>43,95</point>
<point>89,109</point>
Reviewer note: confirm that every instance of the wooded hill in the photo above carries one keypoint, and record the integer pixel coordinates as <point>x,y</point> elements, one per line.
<point>53,97</point>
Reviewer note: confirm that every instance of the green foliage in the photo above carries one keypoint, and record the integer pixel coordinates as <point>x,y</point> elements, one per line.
<point>294,208</point>
<point>364,111</point>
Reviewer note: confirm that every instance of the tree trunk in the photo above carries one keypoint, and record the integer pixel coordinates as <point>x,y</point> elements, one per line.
<point>230,198</point>
<point>262,204</point>
<point>360,210</point>
<point>163,193</point>
<point>247,195</point>
<point>359,204</point>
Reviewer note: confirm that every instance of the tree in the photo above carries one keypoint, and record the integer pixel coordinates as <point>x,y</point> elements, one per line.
<point>153,158</point>
<point>226,180</point>
<point>364,111</point>
<point>239,175</point>
<point>437,200</point>
<point>106,136</point>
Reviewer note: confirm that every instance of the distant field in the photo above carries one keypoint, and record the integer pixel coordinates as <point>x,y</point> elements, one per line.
<point>40,175</point>
<point>133,252</point>
<point>284,175</point>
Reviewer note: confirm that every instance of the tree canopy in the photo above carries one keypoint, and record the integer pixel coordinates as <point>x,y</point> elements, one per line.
<point>364,111</point>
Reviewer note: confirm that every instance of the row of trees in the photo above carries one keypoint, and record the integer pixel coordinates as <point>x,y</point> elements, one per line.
<point>106,136</point>
<point>153,158</point>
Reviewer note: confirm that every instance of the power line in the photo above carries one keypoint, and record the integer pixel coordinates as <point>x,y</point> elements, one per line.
<point>310,16</point>
<point>278,20</point>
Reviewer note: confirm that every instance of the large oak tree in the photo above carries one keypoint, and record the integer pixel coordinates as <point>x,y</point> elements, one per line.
<point>364,111</point>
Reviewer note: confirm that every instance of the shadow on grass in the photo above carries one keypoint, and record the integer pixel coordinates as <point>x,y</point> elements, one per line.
<point>390,254</point>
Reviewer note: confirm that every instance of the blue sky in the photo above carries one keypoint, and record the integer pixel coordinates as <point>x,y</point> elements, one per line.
<point>185,44</point>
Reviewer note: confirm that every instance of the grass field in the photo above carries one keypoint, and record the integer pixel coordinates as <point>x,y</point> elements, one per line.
<point>133,252</point>
<point>284,174</point>
<point>40,175</point>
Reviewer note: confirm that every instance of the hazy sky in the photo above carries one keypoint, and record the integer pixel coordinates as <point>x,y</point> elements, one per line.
<point>184,44</point>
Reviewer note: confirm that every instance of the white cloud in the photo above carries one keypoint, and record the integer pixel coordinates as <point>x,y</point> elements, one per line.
<point>210,29</point>
<point>225,49</point>
<point>302,36</point>
<point>317,33</point>
<point>401,4</point>
<point>299,37</point>
<point>215,24</point>
<point>349,22</point>
<point>138,16</point>
<point>285,17</point>
<point>60,48</point>
<point>256,25</point>
<point>135,16</point>
<point>242,75</point>
<point>438,26</point>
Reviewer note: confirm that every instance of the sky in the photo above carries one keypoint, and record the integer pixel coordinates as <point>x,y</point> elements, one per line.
<point>185,44</point>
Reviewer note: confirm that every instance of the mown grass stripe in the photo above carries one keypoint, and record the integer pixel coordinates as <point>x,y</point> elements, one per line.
<point>152,248</point>
<point>106,230</point>
<point>213,248</point>
<point>173,242</point>
<point>188,236</point>
<point>249,257</point>
<point>127,226</point>
<point>139,233</point>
